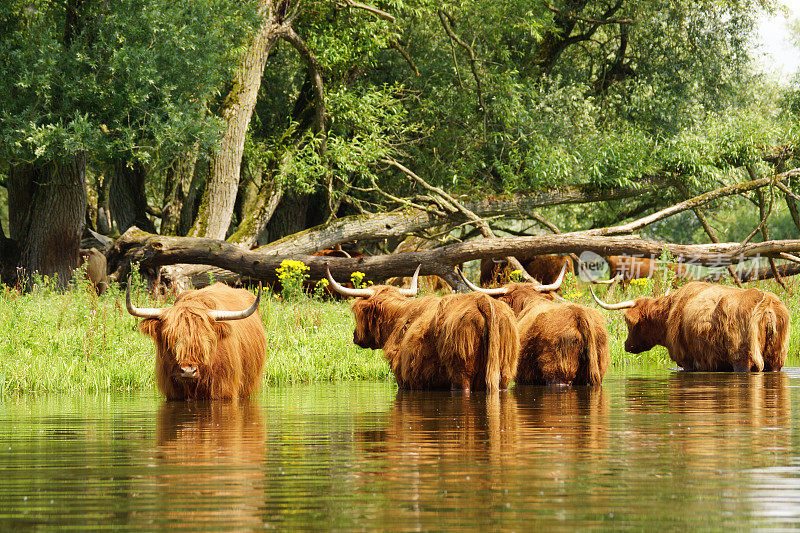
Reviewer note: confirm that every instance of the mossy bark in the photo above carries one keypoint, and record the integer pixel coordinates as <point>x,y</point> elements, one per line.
<point>216,208</point>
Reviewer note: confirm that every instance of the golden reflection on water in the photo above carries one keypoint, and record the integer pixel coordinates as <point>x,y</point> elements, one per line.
<point>211,452</point>
<point>677,451</point>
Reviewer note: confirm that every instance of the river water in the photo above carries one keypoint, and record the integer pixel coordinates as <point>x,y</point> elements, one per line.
<point>668,449</point>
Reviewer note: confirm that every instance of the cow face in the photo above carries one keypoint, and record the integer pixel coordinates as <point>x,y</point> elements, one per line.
<point>186,338</point>
<point>367,331</point>
<point>643,330</point>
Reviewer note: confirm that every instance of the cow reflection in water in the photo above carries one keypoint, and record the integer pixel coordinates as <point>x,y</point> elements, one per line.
<point>212,456</point>
<point>474,448</point>
<point>710,418</point>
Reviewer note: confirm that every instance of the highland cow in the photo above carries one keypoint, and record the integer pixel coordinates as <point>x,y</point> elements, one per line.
<point>95,268</point>
<point>466,341</point>
<point>209,345</point>
<point>710,327</point>
<point>560,342</point>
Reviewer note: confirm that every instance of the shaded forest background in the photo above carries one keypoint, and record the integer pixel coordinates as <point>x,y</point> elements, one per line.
<point>254,121</point>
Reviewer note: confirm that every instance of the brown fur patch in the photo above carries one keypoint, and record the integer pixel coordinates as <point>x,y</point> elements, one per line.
<point>457,341</point>
<point>560,343</point>
<point>543,268</point>
<point>712,327</point>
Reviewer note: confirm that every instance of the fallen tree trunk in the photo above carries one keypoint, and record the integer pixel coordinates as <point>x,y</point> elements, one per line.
<point>153,251</point>
<point>766,272</point>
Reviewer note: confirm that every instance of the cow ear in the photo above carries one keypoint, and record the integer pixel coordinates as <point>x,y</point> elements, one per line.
<point>149,326</point>
<point>223,329</point>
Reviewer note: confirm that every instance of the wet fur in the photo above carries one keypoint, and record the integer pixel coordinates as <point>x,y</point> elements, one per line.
<point>458,341</point>
<point>229,355</point>
<point>713,328</point>
<point>560,343</point>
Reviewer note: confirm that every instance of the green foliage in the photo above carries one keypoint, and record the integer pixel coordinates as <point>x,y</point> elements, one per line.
<point>134,78</point>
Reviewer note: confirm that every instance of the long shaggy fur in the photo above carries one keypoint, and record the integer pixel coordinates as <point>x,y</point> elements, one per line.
<point>229,355</point>
<point>95,268</point>
<point>560,343</point>
<point>458,341</point>
<point>712,327</point>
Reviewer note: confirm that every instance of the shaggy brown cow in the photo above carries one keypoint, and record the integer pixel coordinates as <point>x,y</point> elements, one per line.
<point>95,268</point>
<point>543,268</point>
<point>710,327</point>
<point>466,341</point>
<point>560,343</point>
<point>206,345</point>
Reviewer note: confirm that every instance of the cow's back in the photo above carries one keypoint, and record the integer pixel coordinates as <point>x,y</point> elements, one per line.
<point>559,342</point>
<point>715,327</point>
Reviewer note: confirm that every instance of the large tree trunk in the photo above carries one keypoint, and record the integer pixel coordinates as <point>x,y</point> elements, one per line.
<point>47,204</point>
<point>127,197</point>
<point>216,208</point>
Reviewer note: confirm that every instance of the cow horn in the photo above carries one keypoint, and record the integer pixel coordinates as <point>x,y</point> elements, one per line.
<point>141,312</point>
<point>219,316</point>
<point>607,281</point>
<point>414,288</point>
<point>491,292</point>
<point>556,284</point>
<point>344,291</point>
<point>612,307</point>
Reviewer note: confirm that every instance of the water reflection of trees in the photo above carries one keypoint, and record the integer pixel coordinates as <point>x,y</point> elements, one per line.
<point>210,459</point>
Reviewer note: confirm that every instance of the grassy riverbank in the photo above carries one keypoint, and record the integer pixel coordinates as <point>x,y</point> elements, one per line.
<point>76,341</point>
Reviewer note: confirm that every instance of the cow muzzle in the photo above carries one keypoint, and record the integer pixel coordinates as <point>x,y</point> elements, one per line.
<point>188,372</point>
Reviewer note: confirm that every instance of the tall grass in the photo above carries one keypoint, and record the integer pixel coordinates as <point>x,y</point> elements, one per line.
<point>75,341</point>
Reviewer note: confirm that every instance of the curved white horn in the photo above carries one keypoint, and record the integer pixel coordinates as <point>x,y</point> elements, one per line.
<point>344,291</point>
<point>607,281</point>
<point>414,288</point>
<point>668,289</point>
<point>141,312</point>
<point>237,315</point>
<point>612,307</point>
<point>491,292</point>
<point>556,284</point>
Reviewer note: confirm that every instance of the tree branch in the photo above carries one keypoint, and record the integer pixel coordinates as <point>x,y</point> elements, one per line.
<point>374,10</point>
<point>153,251</point>
<point>473,61</point>
<point>694,202</point>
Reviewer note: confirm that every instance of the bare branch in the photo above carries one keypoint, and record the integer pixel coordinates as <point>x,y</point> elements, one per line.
<point>394,44</point>
<point>481,224</point>
<point>374,10</point>
<point>694,202</point>
<point>707,227</point>
<point>444,18</point>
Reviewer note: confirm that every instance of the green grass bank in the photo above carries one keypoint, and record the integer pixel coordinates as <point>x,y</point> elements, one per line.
<point>75,341</point>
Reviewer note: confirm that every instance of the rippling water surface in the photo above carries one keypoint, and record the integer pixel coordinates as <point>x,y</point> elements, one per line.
<point>670,450</point>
